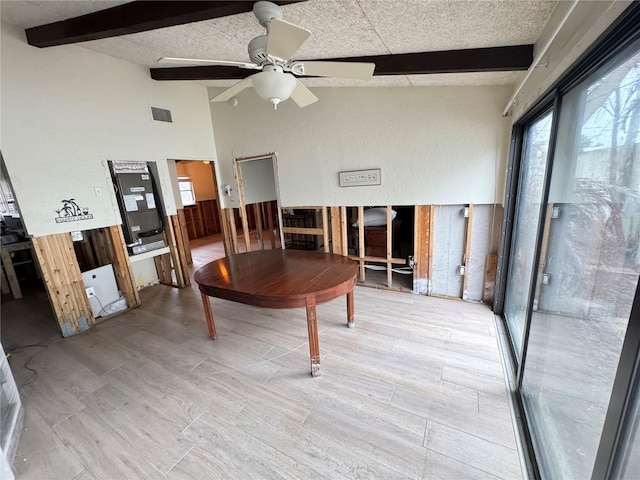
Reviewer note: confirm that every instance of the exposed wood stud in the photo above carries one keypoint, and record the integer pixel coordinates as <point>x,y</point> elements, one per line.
<point>185,235</point>
<point>180,249</point>
<point>336,233</point>
<point>272,231</point>
<point>257,213</point>
<point>63,281</point>
<point>10,274</point>
<point>304,231</point>
<point>325,229</point>
<point>421,249</point>
<point>432,220</point>
<point>343,232</point>
<point>243,210</point>
<point>175,257</point>
<point>491,268</point>
<point>122,266</point>
<point>361,252</point>
<point>467,253</point>
<point>231,218</point>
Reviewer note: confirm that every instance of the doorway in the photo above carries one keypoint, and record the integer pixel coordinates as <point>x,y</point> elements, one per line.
<point>201,207</point>
<point>259,198</point>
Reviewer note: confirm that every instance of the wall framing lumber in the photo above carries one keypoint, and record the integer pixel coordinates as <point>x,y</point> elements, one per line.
<point>432,222</point>
<point>325,229</point>
<point>63,282</point>
<point>422,236</point>
<point>336,231</point>
<point>227,237</point>
<point>343,227</point>
<point>467,254</point>
<point>257,213</point>
<point>178,258</point>
<point>122,266</point>
<point>185,235</point>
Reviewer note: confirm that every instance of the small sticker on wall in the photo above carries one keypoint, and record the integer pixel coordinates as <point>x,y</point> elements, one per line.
<point>137,189</point>
<point>72,212</point>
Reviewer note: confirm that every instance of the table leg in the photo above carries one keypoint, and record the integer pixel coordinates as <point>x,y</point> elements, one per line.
<point>314,347</point>
<point>350,309</point>
<point>209,316</point>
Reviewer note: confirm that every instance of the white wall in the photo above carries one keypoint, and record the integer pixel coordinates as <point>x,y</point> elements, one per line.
<point>67,110</point>
<point>202,178</point>
<point>441,145</point>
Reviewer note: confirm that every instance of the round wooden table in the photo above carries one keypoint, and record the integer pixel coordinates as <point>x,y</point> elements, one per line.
<point>280,279</point>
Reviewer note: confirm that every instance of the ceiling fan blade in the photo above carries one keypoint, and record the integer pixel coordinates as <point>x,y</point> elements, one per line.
<point>251,66</point>
<point>284,39</point>
<point>352,70</point>
<point>302,95</point>
<point>232,90</point>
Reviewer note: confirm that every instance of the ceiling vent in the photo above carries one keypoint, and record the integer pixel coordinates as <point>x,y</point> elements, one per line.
<point>161,114</point>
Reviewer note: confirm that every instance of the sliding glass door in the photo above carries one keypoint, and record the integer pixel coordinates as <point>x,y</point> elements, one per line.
<point>533,170</point>
<point>590,260</point>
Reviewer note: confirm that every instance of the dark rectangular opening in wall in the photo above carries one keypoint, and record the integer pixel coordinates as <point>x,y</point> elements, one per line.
<point>376,251</point>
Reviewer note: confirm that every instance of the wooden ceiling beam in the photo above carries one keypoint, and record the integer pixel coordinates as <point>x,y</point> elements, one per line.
<point>493,59</point>
<point>134,17</point>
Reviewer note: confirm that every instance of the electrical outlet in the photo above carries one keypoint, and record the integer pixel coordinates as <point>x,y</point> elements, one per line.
<point>90,292</point>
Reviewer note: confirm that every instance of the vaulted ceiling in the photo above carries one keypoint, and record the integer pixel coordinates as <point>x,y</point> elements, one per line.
<point>463,37</point>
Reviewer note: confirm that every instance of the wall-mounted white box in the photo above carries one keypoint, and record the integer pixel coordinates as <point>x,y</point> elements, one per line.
<point>357,178</point>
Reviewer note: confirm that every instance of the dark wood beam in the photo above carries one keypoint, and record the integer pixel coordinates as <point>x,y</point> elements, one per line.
<point>134,17</point>
<point>494,59</point>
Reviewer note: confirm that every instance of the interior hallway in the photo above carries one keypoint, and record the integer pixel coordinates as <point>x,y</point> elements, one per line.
<point>416,390</point>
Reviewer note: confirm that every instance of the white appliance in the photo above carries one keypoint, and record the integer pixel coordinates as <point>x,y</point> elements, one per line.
<point>102,289</point>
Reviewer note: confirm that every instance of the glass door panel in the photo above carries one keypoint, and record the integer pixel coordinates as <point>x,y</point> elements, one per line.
<point>526,223</point>
<point>590,271</point>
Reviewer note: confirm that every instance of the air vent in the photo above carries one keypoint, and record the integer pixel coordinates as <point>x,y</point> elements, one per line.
<point>161,114</point>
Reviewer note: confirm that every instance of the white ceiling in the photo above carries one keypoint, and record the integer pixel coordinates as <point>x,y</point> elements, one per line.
<point>340,28</point>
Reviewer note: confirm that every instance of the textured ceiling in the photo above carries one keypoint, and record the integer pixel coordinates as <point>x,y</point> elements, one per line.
<point>340,28</point>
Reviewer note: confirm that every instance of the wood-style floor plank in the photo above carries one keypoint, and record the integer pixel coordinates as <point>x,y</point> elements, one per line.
<point>154,435</point>
<point>416,390</point>
<point>103,453</point>
<point>42,454</point>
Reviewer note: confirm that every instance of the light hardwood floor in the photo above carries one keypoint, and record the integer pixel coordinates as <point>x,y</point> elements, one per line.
<point>416,390</point>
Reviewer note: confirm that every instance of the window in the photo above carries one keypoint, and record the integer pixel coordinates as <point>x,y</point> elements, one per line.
<point>591,269</point>
<point>572,266</point>
<point>528,207</point>
<point>186,191</point>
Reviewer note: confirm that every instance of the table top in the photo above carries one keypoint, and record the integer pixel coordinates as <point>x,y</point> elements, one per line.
<point>278,278</point>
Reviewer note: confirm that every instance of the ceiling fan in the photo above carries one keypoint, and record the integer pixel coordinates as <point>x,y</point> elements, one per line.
<point>271,53</point>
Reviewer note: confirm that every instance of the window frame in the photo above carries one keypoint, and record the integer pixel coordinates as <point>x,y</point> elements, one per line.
<point>607,52</point>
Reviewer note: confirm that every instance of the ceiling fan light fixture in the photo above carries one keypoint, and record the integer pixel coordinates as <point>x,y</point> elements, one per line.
<point>274,86</point>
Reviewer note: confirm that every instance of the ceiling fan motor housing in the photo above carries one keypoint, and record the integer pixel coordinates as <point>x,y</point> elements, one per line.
<point>265,11</point>
<point>258,49</point>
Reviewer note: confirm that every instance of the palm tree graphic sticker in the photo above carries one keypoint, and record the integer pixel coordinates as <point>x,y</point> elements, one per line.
<point>71,212</point>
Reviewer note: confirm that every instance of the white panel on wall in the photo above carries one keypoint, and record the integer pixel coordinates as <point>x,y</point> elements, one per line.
<point>485,237</point>
<point>429,142</point>
<point>61,125</point>
<point>448,250</point>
